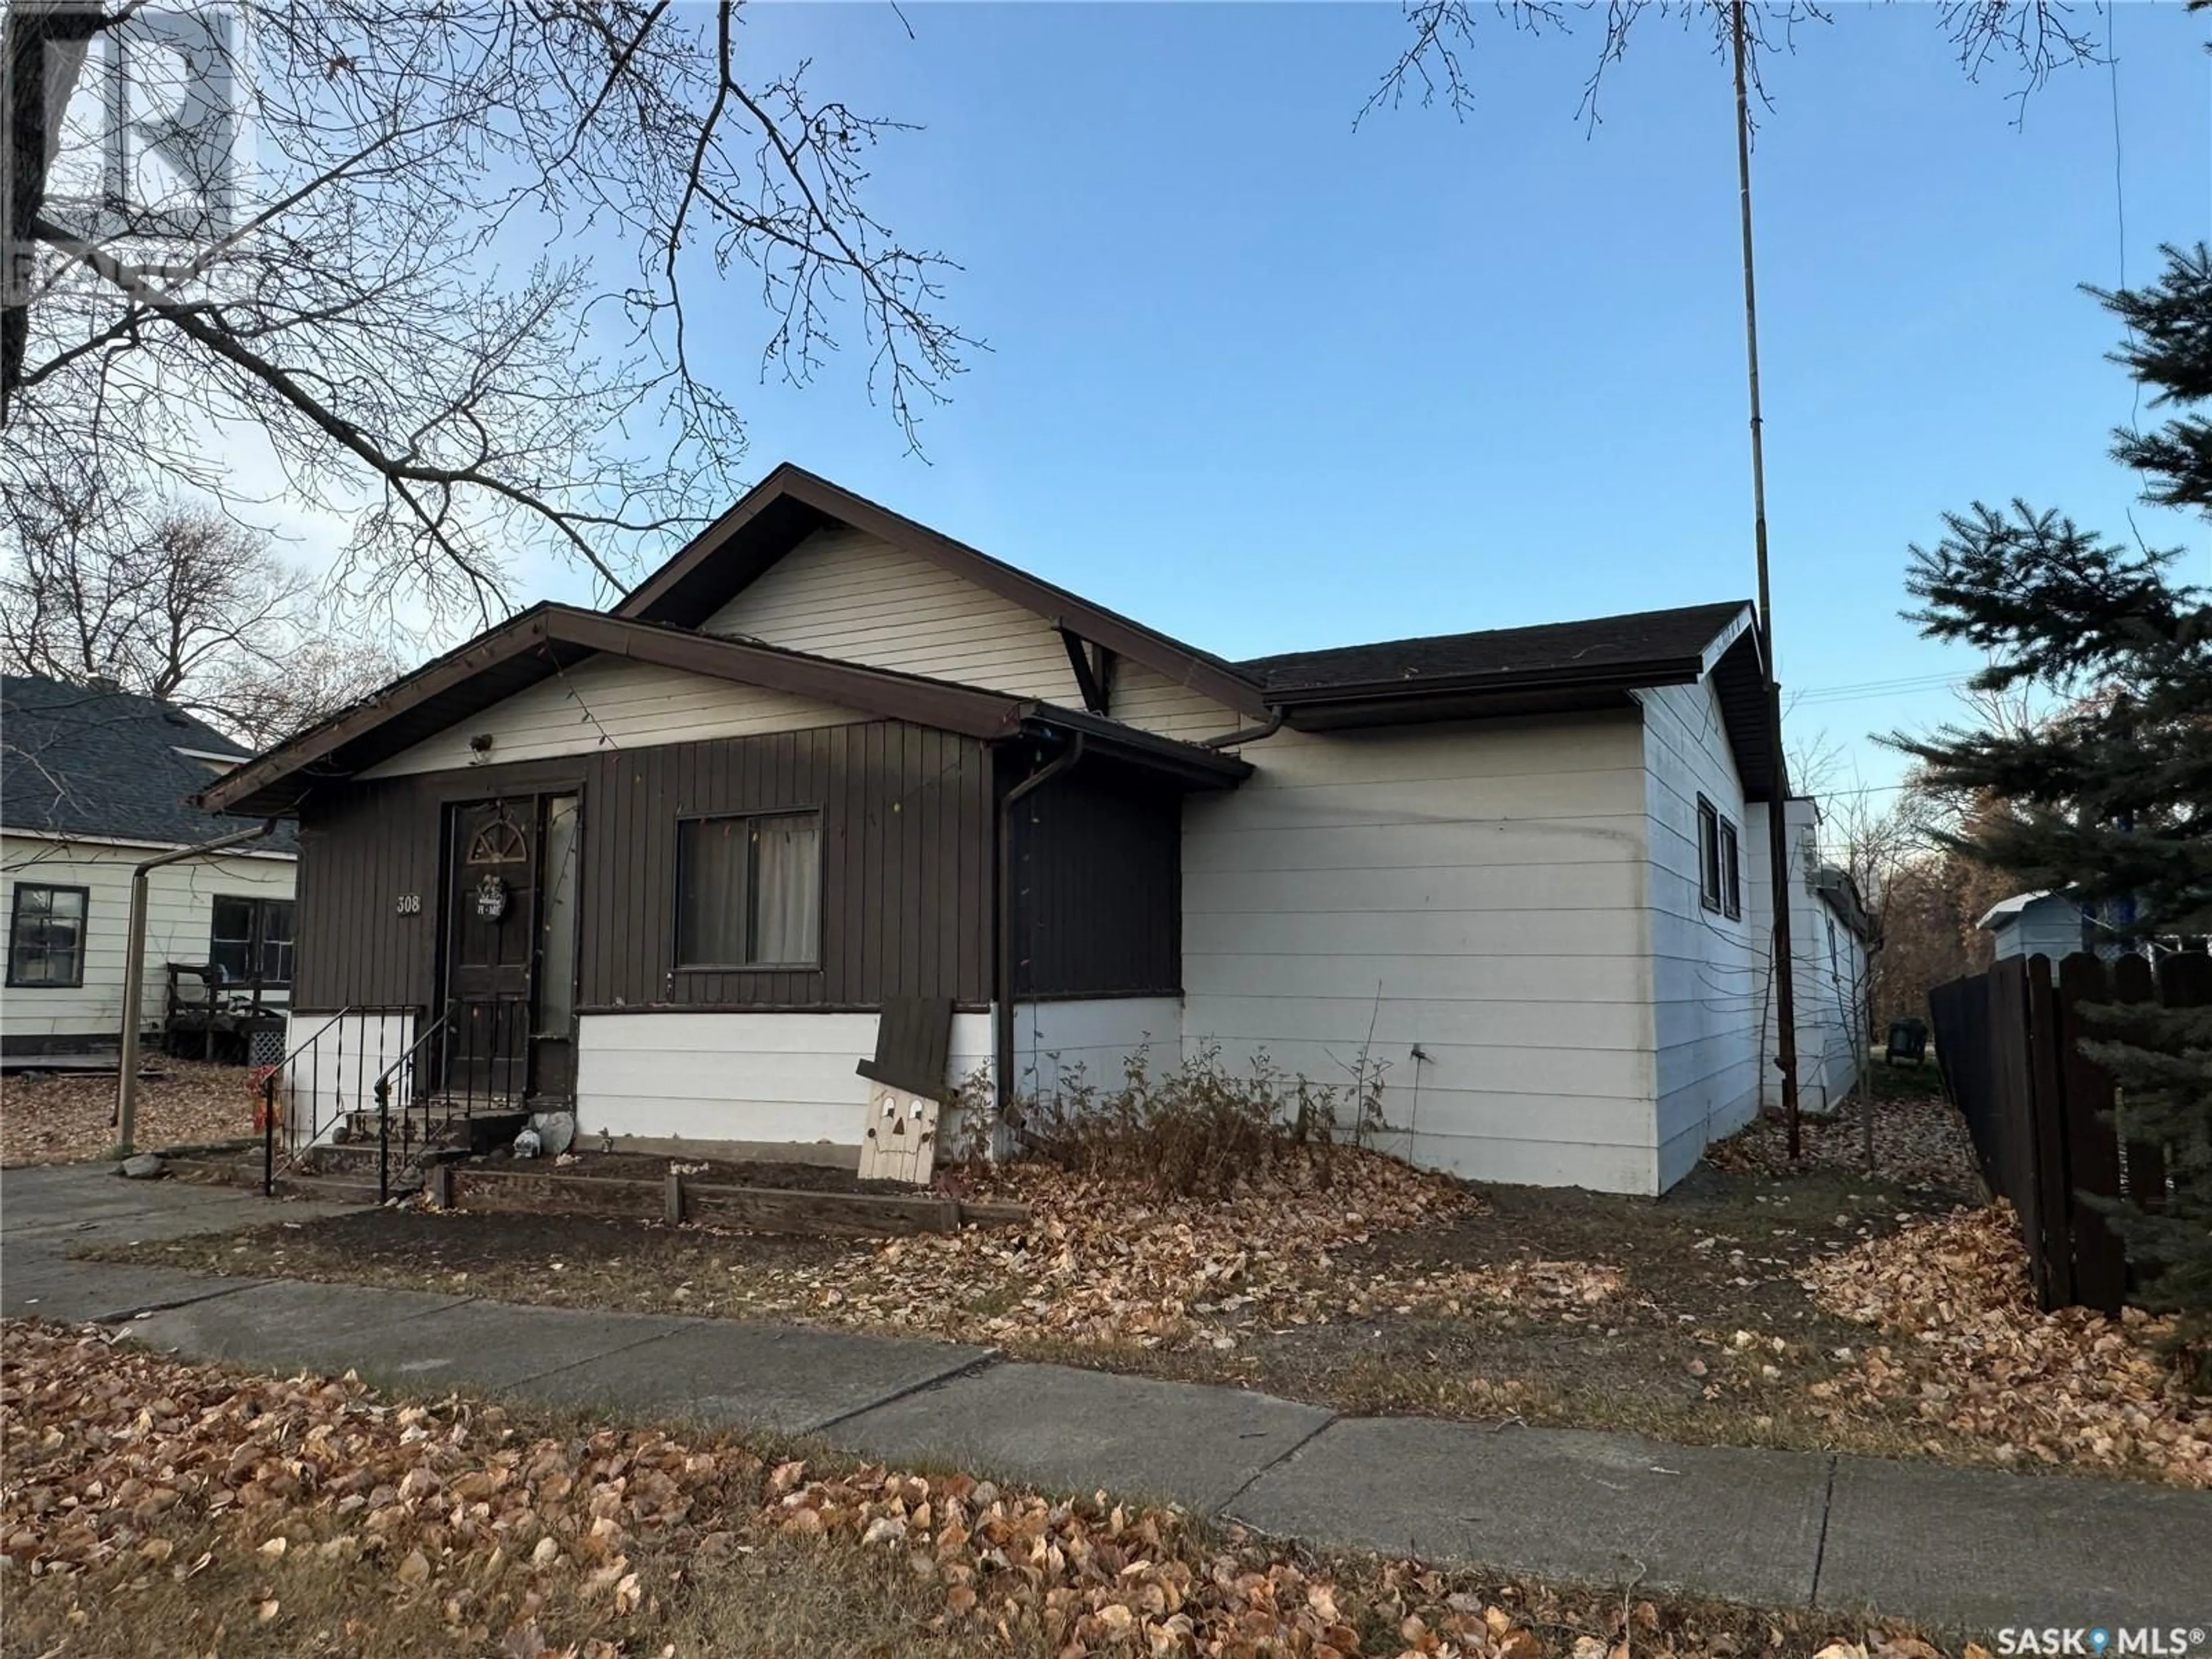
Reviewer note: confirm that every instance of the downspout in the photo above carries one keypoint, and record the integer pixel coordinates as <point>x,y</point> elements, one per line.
<point>1249,734</point>
<point>134,970</point>
<point>1002,1011</point>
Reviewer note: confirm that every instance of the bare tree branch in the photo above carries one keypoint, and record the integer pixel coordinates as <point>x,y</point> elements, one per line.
<point>418,305</point>
<point>2033,39</point>
<point>105,586</point>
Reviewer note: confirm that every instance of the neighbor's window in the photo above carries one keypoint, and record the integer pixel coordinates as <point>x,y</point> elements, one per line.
<point>749,891</point>
<point>1709,854</point>
<point>251,939</point>
<point>1731,872</point>
<point>45,936</point>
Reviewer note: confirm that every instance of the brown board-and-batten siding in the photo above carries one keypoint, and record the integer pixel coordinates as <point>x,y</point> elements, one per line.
<point>906,882</point>
<point>1097,872</point>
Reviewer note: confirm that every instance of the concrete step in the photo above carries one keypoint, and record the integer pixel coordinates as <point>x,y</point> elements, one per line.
<point>351,1156</point>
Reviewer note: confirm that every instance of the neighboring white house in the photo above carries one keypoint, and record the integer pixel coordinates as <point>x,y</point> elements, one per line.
<point>1830,935</point>
<point>827,758</point>
<point>94,782</point>
<point>2036,925</point>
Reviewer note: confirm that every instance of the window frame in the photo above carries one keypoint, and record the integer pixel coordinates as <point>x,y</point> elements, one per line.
<point>1709,854</point>
<point>15,980</point>
<point>1731,870</point>
<point>1720,860</point>
<point>676,962</point>
<point>257,938</point>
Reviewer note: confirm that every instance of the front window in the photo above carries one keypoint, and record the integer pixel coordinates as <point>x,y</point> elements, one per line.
<point>46,937</point>
<point>749,891</point>
<point>251,939</point>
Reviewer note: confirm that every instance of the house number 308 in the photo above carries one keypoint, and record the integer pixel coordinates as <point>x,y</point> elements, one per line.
<point>410,904</point>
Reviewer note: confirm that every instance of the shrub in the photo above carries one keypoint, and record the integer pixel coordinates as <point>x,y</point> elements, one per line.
<point>1198,1128</point>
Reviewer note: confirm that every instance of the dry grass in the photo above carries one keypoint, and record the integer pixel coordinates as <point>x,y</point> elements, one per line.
<point>62,1117</point>
<point>153,1507</point>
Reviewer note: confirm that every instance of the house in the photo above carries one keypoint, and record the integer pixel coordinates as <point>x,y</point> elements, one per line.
<point>1831,937</point>
<point>95,782</point>
<point>2037,925</point>
<point>682,851</point>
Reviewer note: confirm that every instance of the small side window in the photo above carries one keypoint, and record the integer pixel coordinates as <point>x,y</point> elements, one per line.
<point>1709,854</point>
<point>1731,872</point>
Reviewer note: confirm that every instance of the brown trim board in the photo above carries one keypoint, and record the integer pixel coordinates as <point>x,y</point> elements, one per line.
<point>533,646</point>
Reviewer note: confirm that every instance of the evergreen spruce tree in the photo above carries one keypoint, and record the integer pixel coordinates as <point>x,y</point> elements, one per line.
<point>2110,799</point>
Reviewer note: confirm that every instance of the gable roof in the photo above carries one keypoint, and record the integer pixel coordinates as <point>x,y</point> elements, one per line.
<point>548,638</point>
<point>1595,663</point>
<point>2008,911</point>
<point>80,760</point>
<point>792,503</point>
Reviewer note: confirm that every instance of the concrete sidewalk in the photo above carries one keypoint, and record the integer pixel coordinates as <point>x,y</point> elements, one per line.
<point>1962,1550</point>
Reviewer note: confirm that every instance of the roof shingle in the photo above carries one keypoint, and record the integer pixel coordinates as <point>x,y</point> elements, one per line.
<point>79,760</point>
<point>1600,642</point>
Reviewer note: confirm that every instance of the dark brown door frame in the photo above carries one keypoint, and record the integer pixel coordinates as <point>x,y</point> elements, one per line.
<point>510,783</point>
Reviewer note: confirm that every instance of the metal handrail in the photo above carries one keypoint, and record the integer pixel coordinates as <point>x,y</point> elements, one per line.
<point>332,1032</point>
<point>269,1076</point>
<point>509,1020</point>
<point>403,1068</point>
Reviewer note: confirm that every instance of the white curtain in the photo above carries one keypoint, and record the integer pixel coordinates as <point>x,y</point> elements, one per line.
<point>788,889</point>
<point>710,920</point>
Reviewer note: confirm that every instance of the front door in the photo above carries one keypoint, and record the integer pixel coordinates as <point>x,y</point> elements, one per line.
<point>491,949</point>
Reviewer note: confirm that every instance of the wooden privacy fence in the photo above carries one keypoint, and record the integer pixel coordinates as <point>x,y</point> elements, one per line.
<point>2009,1043</point>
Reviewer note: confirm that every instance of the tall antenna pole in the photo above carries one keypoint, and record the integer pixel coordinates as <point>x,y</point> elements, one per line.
<point>1777,809</point>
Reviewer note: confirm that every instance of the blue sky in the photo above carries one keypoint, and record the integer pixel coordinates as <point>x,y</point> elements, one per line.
<point>1267,381</point>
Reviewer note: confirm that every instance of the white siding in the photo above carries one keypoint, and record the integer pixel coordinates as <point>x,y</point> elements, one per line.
<point>1143,697</point>
<point>1828,1051</point>
<point>784,1077</point>
<point>1474,888</point>
<point>333,1064</point>
<point>1708,972</point>
<point>841,594</point>
<point>1057,1044</point>
<point>609,702</point>
<point>2050,927</point>
<point>180,919</point>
